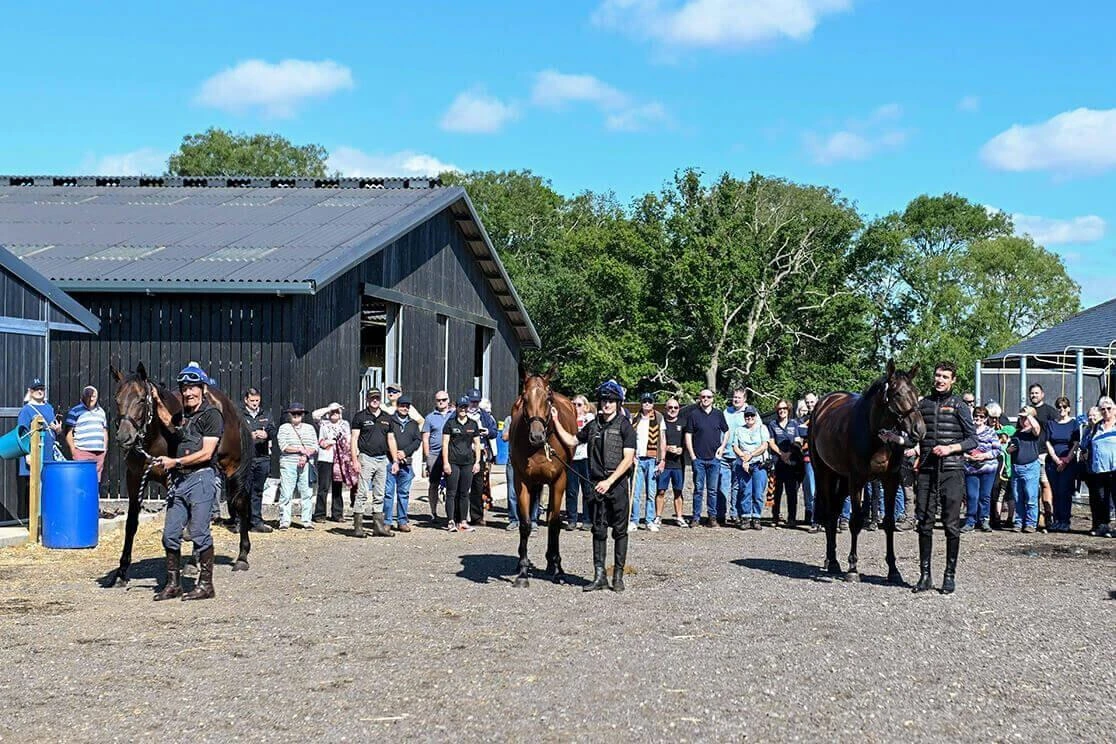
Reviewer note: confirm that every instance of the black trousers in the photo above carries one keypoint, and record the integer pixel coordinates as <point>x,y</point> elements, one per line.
<point>434,471</point>
<point>1102,489</point>
<point>329,489</point>
<point>476,495</point>
<point>786,482</point>
<point>457,492</point>
<point>610,510</point>
<point>257,475</point>
<point>939,491</point>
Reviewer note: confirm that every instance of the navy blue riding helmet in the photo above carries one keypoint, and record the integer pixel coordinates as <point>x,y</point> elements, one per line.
<point>610,390</point>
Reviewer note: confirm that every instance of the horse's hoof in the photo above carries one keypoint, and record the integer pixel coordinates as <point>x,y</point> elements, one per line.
<point>833,568</point>
<point>120,582</point>
<point>240,566</point>
<point>521,582</point>
<point>852,576</point>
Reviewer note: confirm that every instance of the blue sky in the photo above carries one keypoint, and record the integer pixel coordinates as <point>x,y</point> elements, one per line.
<point>1011,104</point>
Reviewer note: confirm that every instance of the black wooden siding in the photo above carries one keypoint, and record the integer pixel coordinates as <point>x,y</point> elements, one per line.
<point>303,347</point>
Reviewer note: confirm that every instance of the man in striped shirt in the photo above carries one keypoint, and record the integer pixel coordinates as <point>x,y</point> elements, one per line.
<point>87,430</point>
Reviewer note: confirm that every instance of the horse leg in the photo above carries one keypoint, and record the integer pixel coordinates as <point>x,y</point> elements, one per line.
<point>522,503</point>
<point>241,502</point>
<point>856,523</point>
<point>131,524</point>
<point>554,529</point>
<point>828,502</point>
<point>891,493</point>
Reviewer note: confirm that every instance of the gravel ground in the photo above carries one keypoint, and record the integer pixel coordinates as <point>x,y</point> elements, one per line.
<point>721,635</point>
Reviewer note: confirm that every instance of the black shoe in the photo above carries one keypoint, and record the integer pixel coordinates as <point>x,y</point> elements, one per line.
<point>756,525</point>
<point>872,526</point>
<point>261,528</point>
<point>319,519</point>
<point>600,580</point>
<point>906,524</point>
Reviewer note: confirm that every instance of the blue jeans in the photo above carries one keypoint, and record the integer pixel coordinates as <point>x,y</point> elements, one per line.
<point>808,491</point>
<point>1025,488</point>
<point>726,490</point>
<point>645,489</point>
<point>978,497</point>
<point>574,486</point>
<point>398,490</point>
<point>513,495</point>
<point>294,478</point>
<point>751,492</point>
<point>1061,489</point>
<point>707,476</point>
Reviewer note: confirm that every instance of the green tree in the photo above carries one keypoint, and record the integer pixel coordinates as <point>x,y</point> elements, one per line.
<point>217,152</point>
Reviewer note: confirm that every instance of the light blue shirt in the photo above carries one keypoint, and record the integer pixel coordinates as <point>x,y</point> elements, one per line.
<point>749,439</point>
<point>1104,451</point>
<point>433,425</point>
<point>735,419</point>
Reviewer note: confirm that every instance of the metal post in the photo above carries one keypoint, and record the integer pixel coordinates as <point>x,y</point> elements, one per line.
<point>1023,382</point>
<point>1079,382</point>
<point>977,386</point>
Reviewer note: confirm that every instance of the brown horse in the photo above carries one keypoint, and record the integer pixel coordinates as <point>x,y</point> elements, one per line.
<point>146,428</point>
<point>847,451</point>
<point>537,458</point>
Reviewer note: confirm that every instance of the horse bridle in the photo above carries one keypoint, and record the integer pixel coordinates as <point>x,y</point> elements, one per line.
<point>900,414</point>
<point>141,428</point>
<point>545,421</point>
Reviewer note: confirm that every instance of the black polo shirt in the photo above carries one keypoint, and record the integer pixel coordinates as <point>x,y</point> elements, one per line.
<point>204,422</point>
<point>408,438</point>
<point>674,438</point>
<point>374,429</point>
<point>461,439</point>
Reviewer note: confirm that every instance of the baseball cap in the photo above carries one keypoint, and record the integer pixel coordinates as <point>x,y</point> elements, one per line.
<point>404,400</point>
<point>36,384</point>
<point>373,393</point>
<point>750,411</point>
<point>647,398</point>
<point>463,400</point>
<point>335,406</point>
<point>296,408</point>
<point>474,394</point>
<point>393,387</point>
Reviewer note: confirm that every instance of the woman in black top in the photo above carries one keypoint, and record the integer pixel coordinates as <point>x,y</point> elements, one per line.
<point>461,455</point>
<point>1025,448</point>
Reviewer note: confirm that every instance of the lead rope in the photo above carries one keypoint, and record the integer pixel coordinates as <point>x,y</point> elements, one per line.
<point>148,458</point>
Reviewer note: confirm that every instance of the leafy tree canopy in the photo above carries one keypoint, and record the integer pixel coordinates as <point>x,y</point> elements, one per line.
<point>217,152</point>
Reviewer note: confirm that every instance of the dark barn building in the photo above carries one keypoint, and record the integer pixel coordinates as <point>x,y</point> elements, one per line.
<point>306,289</point>
<point>32,311</point>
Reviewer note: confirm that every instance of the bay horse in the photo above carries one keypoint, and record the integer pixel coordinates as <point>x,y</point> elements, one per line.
<point>147,416</point>
<point>537,458</point>
<point>847,451</point>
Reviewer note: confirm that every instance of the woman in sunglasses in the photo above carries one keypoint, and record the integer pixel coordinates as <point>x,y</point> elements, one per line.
<point>1062,439</point>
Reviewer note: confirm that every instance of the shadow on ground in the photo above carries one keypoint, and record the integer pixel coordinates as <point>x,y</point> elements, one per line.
<point>490,568</point>
<point>799,570</point>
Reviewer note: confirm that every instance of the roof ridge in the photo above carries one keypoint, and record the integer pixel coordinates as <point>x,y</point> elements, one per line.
<point>256,182</point>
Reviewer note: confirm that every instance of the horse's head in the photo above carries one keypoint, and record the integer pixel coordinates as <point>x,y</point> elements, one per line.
<point>537,400</point>
<point>135,406</point>
<point>901,398</point>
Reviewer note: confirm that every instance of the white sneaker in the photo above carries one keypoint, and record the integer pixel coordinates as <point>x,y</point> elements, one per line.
<point>632,526</point>
<point>654,526</point>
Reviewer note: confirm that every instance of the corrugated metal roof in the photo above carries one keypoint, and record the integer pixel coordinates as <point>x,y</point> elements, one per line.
<point>231,234</point>
<point>43,286</point>
<point>1094,328</point>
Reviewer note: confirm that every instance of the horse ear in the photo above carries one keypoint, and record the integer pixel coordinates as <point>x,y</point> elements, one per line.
<point>116,373</point>
<point>890,367</point>
<point>523,373</point>
<point>550,373</point>
<point>913,371</point>
<point>141,371</point>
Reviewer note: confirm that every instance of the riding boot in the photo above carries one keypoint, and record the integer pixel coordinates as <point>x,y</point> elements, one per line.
<point>925,548</point>
<point>173,587</point>
<point>600,580</point>
<point>203,589</point>
<point>949,584</point>
<point>358,525</point>
<point>379,529</point>
<point>620,557</point>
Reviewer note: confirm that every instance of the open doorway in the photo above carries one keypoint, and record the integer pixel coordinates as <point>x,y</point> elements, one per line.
<point>373,332</point>
<point>481,362</point>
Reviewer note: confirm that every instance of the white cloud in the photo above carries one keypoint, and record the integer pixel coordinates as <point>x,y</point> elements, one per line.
<point>1078,141</point>
<point>145,161</point>
<point>557,90</point>
<point>275,89</point>
<point>476,112</point>
<point>723,24</point>
<point>969,103</point>
<point>860,139</point>
<point>1048,231</point>
<point>349,161</point>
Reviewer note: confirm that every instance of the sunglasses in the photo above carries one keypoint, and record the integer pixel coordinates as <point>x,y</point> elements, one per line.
<point>441,400</point>
<point>672,408</point>
<point>706,397</point>
<point>782,409</point>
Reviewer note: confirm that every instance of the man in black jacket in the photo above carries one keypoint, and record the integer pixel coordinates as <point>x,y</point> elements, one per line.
<point>263,428</point>
<point>941,477</point>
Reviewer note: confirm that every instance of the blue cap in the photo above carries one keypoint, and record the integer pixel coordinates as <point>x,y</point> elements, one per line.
<point>404,400</point>
<point>296,408</point>
<point>750,411</point>
<point>36,384</point>
<point>610,390</point>
<point>474,394</point>
<point>463,400</point>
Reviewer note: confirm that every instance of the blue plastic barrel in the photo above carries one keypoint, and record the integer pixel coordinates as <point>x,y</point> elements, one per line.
<point>69,505</point>
<point>501,451</point>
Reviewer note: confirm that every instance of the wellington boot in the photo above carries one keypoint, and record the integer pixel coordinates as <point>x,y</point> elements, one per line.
<point>925,548</point>
<point>173,588</point>
<point>949,580</point>
<point>358,525</point>
<point>618,577</point>
<point>379,529</point>
<point>600,580</point>
<point>203,589</point>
